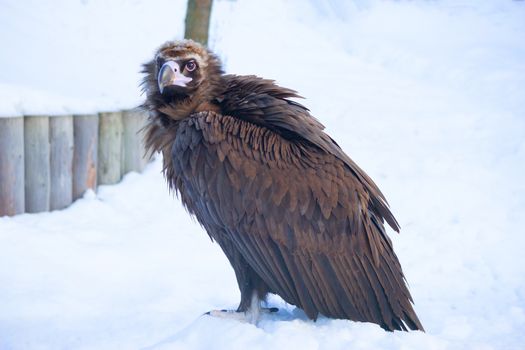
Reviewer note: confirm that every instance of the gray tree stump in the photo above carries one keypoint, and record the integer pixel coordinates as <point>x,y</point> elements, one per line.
<point>37,171</point>
<point>12,197</point>
<point>61,141</point>
<point>109,148</point>
<point>132,145</point>
<point>85,155</point>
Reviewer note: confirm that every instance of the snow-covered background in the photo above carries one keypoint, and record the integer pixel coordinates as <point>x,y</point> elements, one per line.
<point>427,96</point>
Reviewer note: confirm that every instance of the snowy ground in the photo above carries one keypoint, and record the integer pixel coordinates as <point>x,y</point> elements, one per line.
<point>428,97</point>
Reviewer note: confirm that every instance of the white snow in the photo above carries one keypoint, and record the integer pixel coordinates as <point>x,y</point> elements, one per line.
<point>427,97</point>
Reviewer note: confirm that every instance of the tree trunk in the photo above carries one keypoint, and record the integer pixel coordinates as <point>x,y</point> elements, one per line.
<point>198,20</point>
<point>85,155</point>
<point>37,172</point>
<point>109,148</point>
<point>12,197</point>
<point>61,140</point>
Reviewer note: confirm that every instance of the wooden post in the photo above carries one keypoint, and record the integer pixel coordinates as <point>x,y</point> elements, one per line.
<point>12,198</point>
<point>198,20</point>
<point>132,146</point>
<point>85,154</point>
<point>37,173</point>
<point>61,141</point>
<point>109,148</point>
<point>146,156</point>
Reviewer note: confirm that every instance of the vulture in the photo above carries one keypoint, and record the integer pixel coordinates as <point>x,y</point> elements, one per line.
<point>294,215</point>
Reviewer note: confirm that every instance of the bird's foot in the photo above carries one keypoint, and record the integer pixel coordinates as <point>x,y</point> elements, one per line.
<point>249,316</point>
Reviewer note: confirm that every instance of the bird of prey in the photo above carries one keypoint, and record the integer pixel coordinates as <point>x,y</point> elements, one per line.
<point>293,213</point>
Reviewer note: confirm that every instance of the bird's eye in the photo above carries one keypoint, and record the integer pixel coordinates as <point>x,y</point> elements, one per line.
<point>191,66</point>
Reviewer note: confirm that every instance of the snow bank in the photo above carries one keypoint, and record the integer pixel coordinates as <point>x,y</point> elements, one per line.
<point>428,97</point>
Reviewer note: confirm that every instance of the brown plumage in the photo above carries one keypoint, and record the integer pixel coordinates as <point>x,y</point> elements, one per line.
<point>292,212</point>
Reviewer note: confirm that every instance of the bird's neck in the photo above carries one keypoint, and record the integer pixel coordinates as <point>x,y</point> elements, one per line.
<point>201,101</point>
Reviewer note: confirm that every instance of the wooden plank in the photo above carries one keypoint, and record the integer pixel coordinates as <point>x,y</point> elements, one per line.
<point>85,153</point>
<point>12,197</point>
<point>132,145</point>
<point>109,148</point>
<point>61,166</point>
<point>37,172</point>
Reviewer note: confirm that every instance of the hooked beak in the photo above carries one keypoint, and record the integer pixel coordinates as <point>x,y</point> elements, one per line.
<point>170,74</point>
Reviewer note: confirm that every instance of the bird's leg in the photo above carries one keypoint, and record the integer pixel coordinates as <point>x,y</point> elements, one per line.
<point>250,315</point>
<point>253,289</point>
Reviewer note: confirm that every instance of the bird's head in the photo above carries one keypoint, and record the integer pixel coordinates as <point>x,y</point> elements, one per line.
<point>181,76</point>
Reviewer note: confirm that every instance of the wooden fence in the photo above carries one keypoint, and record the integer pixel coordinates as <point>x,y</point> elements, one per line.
<point>47,162</point>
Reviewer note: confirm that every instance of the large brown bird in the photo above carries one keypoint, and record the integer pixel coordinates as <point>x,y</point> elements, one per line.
<point>293,213</point>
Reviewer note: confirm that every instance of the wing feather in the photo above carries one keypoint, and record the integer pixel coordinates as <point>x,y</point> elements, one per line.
<point>301,218</point>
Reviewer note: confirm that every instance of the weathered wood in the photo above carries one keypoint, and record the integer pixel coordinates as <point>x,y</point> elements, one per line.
<point>132,145</point>
<point>12,198</point>
<point>85,154</point>
<point>147,156</point>
<point>198,20</point>
<point>109,148</point>
<point>61,142</point>
<point>37,171</point>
